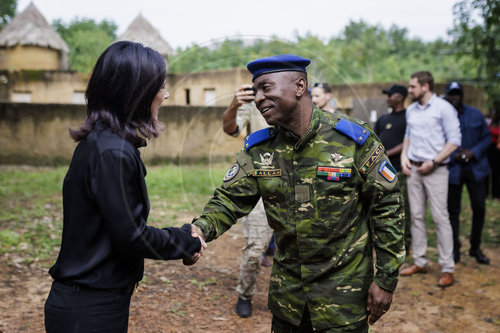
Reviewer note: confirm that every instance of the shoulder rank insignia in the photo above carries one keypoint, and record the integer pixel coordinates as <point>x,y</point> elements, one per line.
<point>258,137</point>
<point>356,132</point>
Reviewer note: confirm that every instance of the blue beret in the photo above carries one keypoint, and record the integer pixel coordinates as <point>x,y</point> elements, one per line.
<point>277,63</point>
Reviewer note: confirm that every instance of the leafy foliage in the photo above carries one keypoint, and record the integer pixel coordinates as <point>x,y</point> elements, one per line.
<point>361,53</point>
<point>86,40</point>
<point>7,11</point>
<point>477,33</point>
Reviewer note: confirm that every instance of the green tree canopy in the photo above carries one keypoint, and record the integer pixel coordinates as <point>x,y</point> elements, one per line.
<point>477,33</point>
<point>86,40</point>
<point>362,52</point>
<point>7,11</point>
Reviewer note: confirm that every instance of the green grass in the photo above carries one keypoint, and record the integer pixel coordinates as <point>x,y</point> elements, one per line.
<point>31,207</point>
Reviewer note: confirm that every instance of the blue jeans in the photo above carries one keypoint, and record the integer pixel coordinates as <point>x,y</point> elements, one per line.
<point>73,309</point>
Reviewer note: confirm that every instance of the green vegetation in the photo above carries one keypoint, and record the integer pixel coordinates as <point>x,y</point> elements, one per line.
<point>31,208</point>
<point>7,11</point>
<point>362,53</point>
<point>31,205</point>
<point>477,33</point>
<point>86,40</point>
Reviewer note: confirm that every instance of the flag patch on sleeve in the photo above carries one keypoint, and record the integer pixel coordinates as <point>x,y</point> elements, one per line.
<point>387,171</point>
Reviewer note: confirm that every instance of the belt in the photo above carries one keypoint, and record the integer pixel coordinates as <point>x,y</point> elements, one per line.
<point>419,163</point>
<point>124,290</point>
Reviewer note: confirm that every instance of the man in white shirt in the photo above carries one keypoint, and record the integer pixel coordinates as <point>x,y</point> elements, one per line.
<point>242,114</point>
<point>432,134</point>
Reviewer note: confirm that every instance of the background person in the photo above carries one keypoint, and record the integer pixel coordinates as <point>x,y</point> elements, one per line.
<point>432,134</point>
<point>391,128</point>
<point>322,97</point>
<point>313,169</point>
<point>242,115</point>
<point>468,165</point>
<point>105,237</point>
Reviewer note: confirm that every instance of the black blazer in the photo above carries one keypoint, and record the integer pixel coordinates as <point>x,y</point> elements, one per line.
<point>105,237</point>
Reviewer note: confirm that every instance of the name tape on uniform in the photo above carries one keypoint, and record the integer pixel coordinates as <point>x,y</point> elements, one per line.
<point>267,173</point>
<point>372,158</point>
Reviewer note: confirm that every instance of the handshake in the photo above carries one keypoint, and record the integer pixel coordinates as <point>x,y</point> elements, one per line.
<point>195,233</point>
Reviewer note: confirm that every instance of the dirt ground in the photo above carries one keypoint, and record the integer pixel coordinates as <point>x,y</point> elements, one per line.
<point>201,298</point>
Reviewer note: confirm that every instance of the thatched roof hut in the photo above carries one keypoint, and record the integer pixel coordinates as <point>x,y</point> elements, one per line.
<point>141,31</point>
<point>30,29</point>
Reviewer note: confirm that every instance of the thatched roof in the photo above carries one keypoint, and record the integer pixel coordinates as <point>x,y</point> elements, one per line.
<point>30,28</point>
<point>141,31</point>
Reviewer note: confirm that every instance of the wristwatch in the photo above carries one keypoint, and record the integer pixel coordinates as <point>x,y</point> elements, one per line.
<point>434,164</point>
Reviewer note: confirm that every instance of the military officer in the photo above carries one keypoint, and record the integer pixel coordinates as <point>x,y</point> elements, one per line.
<point>330,195</point>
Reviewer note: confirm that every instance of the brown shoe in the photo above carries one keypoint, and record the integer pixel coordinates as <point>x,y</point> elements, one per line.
<point>413,270</point>
<point>446,280</point>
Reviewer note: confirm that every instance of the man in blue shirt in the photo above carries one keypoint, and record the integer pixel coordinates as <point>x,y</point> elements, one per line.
<point>469,166</point>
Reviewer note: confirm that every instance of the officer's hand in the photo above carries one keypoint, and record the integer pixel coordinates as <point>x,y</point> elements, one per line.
<point>379,302</point>
<point>195,233</point>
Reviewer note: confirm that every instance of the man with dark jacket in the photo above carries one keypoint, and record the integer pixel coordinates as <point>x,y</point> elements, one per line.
<point>469,166</point>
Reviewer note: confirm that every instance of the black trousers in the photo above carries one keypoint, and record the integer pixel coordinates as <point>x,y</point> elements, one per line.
<point>477,194</point>
<point>73,309</point>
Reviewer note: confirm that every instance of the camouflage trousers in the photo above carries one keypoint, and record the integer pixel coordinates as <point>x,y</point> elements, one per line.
<point>280,326</point>
<point>257,234</point>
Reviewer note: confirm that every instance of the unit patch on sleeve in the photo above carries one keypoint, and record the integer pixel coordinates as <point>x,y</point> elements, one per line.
<point>232,172</point>
<point>372,158</point>
<point>387,171</point>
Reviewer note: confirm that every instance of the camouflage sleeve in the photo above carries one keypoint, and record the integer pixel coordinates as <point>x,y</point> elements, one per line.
<point>235,198</point>
<point>386,209</point>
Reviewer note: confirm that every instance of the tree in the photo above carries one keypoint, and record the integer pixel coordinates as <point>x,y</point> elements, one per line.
<point>86,40</point>
<point>7,11</point>
<point>481,39</point>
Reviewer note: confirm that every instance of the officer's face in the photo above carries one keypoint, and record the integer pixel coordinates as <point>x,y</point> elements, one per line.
<point>276,97</point>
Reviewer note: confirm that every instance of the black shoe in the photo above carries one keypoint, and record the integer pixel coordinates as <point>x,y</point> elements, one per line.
<point>244,307</point>
<point>480,257</point>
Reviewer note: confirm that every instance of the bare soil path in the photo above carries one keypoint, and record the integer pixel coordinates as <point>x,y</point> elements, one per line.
<point>201,298</point>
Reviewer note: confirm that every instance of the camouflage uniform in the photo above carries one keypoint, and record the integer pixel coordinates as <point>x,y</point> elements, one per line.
<point>257,235</point>
<point>325,225</point>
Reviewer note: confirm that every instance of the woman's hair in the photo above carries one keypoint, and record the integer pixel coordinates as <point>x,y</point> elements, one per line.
<point>123,85</point>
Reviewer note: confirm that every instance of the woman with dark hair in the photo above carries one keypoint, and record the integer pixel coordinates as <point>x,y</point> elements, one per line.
<point>105,237</point>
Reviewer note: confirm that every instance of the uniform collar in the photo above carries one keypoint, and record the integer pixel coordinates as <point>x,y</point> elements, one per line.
<point>299,143</point>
